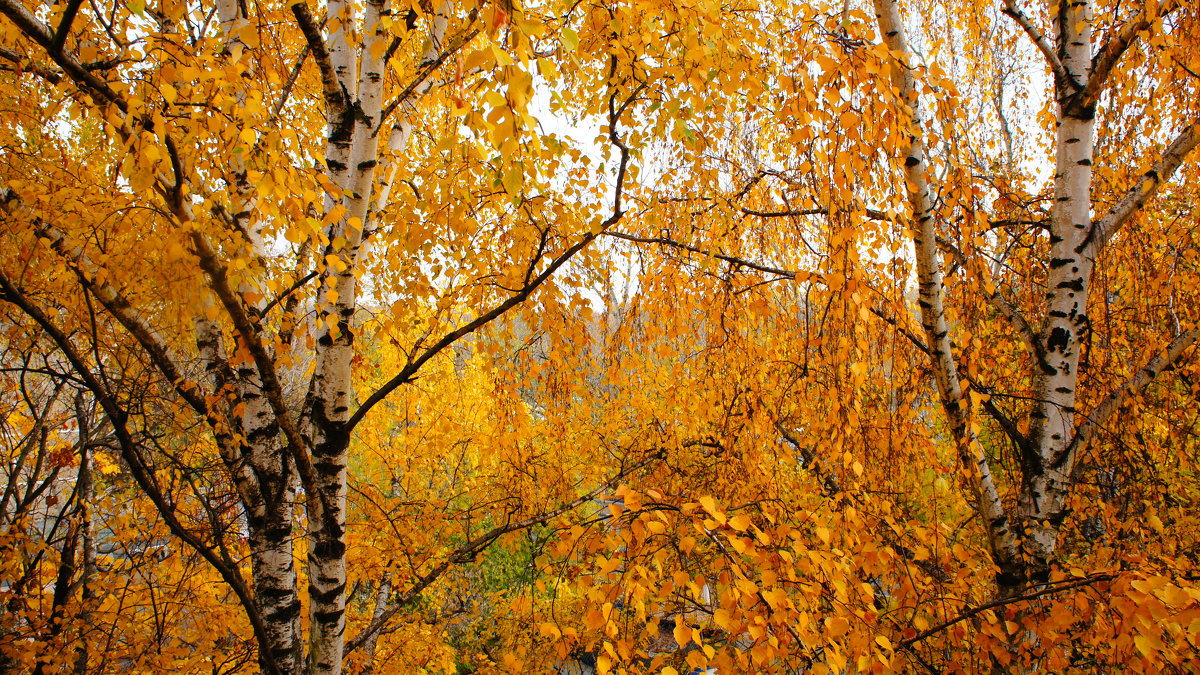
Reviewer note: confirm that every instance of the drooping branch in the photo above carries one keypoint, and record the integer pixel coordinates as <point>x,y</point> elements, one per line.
<point>414,364</point>
<point>1110,52</point>
<point>142,475</point>
<point>468,551</point>
<point>94,280</point>
<point>1051,589</point>
<point>1010,312</point>
<point>1004,421</point>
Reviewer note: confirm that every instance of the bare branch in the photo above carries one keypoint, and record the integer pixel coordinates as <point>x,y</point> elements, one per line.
<point>870,213</point>
<point>1039,40</point>
<point>740,262</point>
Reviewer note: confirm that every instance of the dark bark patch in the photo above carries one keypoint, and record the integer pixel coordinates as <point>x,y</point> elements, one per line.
<point>1058,340</point>
<point>327,549</point>
<point>330,617</point>
<point>325,597</point>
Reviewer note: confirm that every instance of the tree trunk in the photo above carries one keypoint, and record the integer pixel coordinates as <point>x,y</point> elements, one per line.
<point>923,224</point>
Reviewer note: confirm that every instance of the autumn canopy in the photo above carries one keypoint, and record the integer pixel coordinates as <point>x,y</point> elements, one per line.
<point>616,336</point>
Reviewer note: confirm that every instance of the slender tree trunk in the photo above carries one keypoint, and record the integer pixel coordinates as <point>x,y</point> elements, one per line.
<point>923,222</point>
<point>351,157</point>
<point>87,533</point>
<point>381,604</point>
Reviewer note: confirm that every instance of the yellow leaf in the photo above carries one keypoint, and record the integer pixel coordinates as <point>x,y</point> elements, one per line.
<point>710,505</point>
<point>682,632</point>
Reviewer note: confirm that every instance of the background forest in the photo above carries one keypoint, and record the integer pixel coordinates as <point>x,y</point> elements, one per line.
<point>645,336</point>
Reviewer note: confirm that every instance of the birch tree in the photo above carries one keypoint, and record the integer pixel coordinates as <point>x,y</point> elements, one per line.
<point>1023,540</point>
<point>833,351</point>
<point>172,91</point>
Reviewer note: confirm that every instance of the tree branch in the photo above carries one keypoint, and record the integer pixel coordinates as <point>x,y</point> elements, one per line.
<point>47,74</point>
<point>741,262</point>
<point>263,362</point>
<point>1111,52</point>
<point>1001,304</point>
<point>427,68</point>
<point>1129,389</point>
<point>1144,188</point>
<point>64,26</point>
<point>870,213</point>
<point>407,373</point>
<point>39,32</point>
<point>1000,602</point>
<point>141,474</point>
<point>335,95</point>
<point>468,551</point>
<point>1039,40</point>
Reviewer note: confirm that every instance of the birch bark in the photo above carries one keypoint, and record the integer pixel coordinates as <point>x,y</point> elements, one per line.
<point>352,158</point>
<point>923,224</point>
<point>1046,469</point>
<point>267,498</point>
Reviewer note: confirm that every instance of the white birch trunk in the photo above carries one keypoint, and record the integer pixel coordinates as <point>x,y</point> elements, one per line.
<point>352,154</point>
<point>923,222</point>
<point>1046,475</point>
<point>352,159</point>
